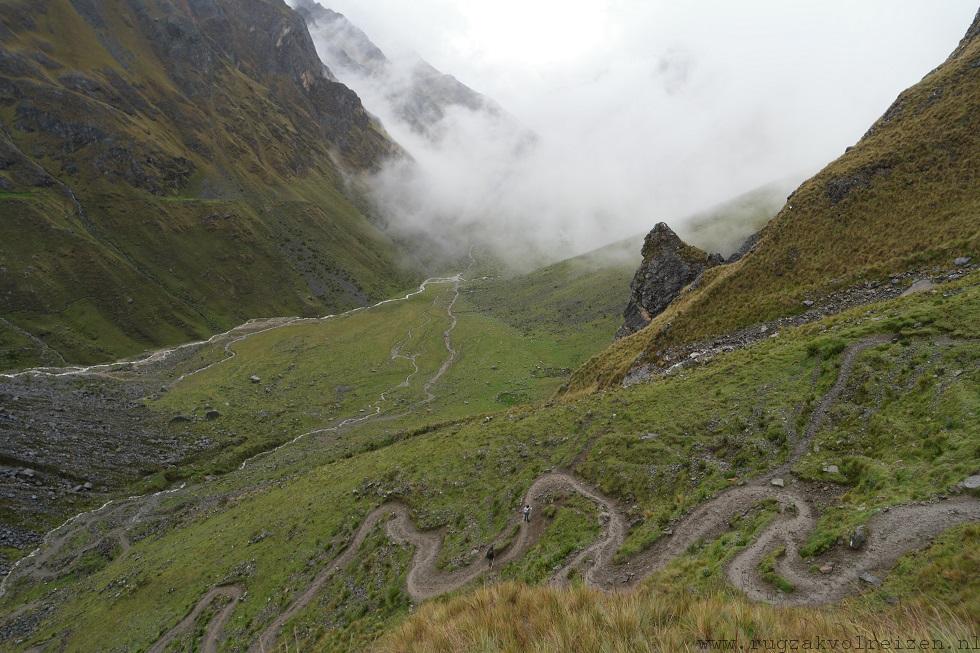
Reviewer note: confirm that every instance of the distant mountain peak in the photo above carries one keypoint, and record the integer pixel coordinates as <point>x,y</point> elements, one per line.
<point>419,94</point>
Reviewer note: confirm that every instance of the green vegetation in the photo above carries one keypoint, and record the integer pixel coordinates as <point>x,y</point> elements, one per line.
<point>658,448</point>
<point>725,227</point>
<point>445,402</point>
<point>767,569</point>
<point>573,525</point>
<point>192,214</point>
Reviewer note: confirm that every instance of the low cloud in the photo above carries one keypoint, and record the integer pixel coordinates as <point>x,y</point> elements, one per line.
<point>642,111</point>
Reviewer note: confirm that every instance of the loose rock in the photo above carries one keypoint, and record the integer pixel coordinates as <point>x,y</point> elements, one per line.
<point>858,538</point>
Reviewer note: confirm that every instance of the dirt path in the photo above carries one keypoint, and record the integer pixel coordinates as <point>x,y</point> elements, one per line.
<point>210,642</point>
<point>53,541</point>
<point>891,535</point>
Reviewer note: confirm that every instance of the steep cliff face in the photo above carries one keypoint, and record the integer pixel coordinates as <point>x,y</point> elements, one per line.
<point>419,95</point>
<point>171,168</point>
<point>669,265</point>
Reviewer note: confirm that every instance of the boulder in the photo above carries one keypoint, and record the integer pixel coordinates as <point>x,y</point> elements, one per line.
<point>858,538</point>
<point>922,285</point>
<point>669,264</point>
<point>972,482</point>
<point>778,482</point>
<point>869,578</point>
<point>960,261</point>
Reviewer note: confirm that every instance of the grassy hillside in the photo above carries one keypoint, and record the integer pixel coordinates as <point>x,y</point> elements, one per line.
<point>724,228</point>
<point>658,449</point>
<point>167,171</point>
<point>904,197</point>
<point>581,300</point>
<point>578,299</point>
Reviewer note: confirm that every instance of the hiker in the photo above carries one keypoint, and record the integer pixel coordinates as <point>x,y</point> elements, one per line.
<point>490,555</point>
<point>526,510</point>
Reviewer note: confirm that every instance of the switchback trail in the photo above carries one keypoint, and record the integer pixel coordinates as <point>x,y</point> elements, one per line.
<point>891,534</point>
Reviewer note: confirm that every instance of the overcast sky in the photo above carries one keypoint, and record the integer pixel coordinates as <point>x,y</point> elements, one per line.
<point>650,109</point>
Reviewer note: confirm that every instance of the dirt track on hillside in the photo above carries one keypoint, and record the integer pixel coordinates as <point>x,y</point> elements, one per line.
<point>891,534</point>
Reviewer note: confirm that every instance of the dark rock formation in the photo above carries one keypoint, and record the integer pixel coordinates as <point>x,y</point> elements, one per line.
<point>669,264</point>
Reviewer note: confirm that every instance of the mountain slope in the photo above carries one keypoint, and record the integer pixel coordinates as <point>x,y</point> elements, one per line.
<point>168,170</point>
<point>581,299</point>
<point>903,198</point>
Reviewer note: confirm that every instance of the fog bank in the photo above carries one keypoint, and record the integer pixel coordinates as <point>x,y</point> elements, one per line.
<point>641,111</point>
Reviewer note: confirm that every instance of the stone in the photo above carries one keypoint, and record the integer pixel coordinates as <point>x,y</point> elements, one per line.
<point>87,485</point>
<point>922,285</point>
<point>831,469</point>
<point>669,265</point>
<point>808,303</point>
<point>869,578</point>
<point>960,261</point>
<point>211,414</point>
<point>778,482</point>
<point>858,538</point>
<point>255,379</point>
<point>827,568</point>
<point>972,482</point>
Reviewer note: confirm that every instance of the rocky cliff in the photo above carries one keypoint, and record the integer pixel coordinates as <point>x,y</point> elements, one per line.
<point>669,264</point>
<point>418,94</point>
<point>169,169</point>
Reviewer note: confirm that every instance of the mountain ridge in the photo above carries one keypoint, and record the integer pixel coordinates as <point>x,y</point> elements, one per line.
<point>138,134</point>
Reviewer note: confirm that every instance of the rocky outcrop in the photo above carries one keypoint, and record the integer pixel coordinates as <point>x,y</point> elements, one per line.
<point>669,264</point>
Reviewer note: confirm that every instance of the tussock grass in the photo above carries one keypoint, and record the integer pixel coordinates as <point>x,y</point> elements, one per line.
<point>516,617</point>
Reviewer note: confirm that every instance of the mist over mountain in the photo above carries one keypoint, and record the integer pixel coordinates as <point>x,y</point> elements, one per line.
<point>641,111</point>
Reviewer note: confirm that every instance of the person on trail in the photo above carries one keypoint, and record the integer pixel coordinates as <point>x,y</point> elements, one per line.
<point>490,555</point>
<point>526,511</point>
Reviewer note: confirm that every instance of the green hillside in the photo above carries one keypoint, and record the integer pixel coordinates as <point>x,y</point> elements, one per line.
<point>580,300</point>
<point>658,450</point>
<point>165,173</point>
<point>775,474</point>
<point>903,198</point>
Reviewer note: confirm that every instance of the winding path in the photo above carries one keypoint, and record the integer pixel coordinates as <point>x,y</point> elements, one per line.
<point>53,539</point>
<point>892,534</point>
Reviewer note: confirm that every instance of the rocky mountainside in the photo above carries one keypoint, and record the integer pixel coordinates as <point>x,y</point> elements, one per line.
<point>900,202</point>
<point>170,169</point>
<point>419,94</point>
<point>668,266</point>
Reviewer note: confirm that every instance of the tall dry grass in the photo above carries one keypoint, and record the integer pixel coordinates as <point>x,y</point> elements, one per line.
<point>521,618</point>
